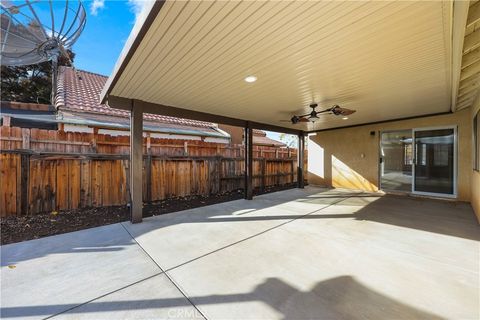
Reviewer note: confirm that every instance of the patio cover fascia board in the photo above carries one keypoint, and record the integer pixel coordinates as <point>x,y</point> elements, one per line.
<point>153,108</point>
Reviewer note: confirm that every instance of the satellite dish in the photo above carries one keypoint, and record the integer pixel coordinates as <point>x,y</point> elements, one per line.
<point>35,31</point>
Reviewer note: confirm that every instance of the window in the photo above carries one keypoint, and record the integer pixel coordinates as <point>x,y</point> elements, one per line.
<point>476,142</point>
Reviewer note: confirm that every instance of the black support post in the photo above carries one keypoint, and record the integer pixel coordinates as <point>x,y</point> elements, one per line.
<point>301,160</point>
<point>136,163</point>
<point>248,136</point>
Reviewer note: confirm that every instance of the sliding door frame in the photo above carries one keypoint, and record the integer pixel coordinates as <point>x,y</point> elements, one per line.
<point>455,162</point>
<point>380,156</point>
<point>414,151</point>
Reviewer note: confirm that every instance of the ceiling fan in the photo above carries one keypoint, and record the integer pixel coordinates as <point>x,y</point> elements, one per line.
<point>313,115</point>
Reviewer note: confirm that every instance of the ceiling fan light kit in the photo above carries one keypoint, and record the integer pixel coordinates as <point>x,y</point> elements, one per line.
<point>313,116</point>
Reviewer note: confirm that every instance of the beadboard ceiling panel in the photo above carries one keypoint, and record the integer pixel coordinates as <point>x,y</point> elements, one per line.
<point>384,59</point>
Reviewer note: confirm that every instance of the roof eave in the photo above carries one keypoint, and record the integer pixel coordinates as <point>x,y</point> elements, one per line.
<point>146,127</point>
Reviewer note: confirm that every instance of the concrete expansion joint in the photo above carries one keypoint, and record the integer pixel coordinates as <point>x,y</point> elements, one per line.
<point>254,235</point>
<point>104,295</point>
<point>165,272</point>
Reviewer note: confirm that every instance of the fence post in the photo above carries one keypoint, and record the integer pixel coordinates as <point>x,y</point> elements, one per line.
<point>24,177</point>
<point>219,173</point>
<point>126,165</point>
<point>263,168</point>
<point>292,171</point>
<point>148,170</point>
<point>6,121</point>
<point>185,148</point>
<point>149,143</point>
<point>25,138</point>
<point>93,143</point>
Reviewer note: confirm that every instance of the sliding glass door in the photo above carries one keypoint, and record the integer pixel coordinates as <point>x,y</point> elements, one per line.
<point>421,161</point>
<point>434,163</point>
<point>396,156</point>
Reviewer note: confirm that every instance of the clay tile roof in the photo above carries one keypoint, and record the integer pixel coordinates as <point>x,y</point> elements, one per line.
<point>260,138</point>
<point>266,141</point>
<point>259,133</point>
<point>79,91</point>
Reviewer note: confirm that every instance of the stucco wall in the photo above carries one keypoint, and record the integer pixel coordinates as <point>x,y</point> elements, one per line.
<point>475,189</point>
<point>349,158</point>
<point>236,133</point>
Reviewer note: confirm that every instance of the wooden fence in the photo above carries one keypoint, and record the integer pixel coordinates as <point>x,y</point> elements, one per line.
<point>43,170</point>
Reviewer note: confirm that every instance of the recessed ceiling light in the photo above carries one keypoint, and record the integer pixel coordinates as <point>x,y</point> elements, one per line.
<point>345,118</point>
<point>250,79</point>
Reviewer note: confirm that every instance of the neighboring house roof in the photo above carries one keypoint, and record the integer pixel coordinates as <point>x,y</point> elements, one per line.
<point>260,139</point>
<point>29,115</point>
<point>77,100</point>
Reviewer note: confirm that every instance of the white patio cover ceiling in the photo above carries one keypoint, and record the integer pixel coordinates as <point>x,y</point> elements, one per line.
<point>386,60</point>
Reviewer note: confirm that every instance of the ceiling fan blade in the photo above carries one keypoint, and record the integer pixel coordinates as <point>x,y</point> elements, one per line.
<point>297,119</point>
<point>346,112</point>
<point>339,111</point>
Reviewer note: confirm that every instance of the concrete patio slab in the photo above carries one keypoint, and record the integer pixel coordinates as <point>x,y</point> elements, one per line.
<point>56,273</point>
<point>313,253</point>
<point>317,268</point>
<point>153,298</point>
<point>204,230</point>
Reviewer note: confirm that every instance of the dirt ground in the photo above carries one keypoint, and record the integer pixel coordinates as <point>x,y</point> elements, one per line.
<point>21,228</point>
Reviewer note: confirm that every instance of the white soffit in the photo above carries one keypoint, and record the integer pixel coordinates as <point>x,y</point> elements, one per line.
<point>385,59</point>
<point>469,77</point>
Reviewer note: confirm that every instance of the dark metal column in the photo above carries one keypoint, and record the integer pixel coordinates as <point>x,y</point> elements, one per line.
<point>136,163</point>
<point>248,136</point>
<point>301,160</point>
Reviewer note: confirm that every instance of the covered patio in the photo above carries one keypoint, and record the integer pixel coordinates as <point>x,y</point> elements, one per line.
<point>301,254</point>
<point>343,247</point>
<point>391,65</point>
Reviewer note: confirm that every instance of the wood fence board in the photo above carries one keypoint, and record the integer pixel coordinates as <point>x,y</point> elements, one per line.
<point>75,175</point>
<point>8,175</point>
<point>85,185</point>
<point>65,171</point>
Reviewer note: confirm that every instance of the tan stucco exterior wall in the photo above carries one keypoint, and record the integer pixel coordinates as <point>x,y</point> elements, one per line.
<point>475,189</point>
<point>236,133</point>
<point>349,158</point>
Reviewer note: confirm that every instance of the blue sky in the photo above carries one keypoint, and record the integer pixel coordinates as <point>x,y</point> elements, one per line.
<point>108,25</point>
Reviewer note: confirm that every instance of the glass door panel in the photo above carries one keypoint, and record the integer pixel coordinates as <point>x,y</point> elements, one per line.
<point>434,170</point>
<point>396,157</point>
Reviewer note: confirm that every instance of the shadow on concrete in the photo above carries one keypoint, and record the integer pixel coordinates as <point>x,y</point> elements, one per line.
<point>337,298</point>
<point>110,238</point>
<point>437,216</point>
